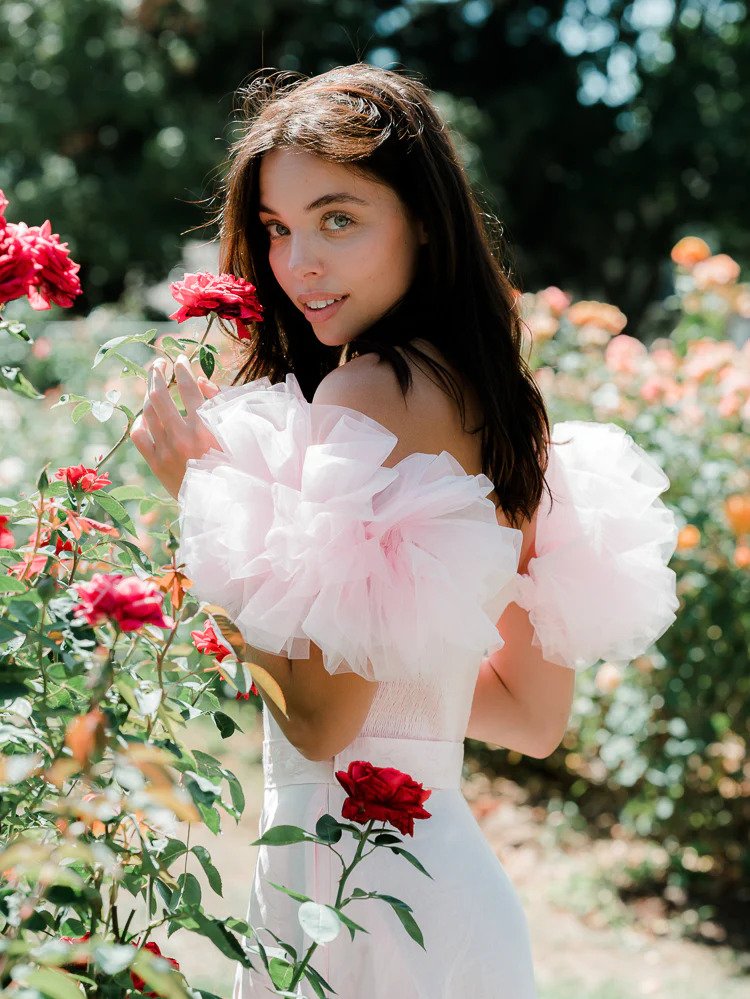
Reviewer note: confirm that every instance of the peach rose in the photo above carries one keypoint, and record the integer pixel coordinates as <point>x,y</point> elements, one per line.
<point>717,270</point>
<point>689,251</point>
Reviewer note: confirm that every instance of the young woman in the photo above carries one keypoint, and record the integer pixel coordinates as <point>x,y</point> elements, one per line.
<point>371,515</point>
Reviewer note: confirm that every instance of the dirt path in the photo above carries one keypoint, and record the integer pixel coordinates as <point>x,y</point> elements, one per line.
<point>587,944</point>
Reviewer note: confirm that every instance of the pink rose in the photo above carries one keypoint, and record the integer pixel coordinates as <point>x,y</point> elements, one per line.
<point>17,267</point>
<point>127,600</point>
<point>555,299</point>
<point>625,354</point>
<point>56,275</point>
<point>228,296</point>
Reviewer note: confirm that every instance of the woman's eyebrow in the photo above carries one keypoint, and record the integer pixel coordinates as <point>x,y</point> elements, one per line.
<point>327,199</point>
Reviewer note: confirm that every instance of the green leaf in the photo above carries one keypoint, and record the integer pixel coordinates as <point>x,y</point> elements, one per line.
<point>213,876</point>
<point>145,337</point>
<point>291,892</point>
<point>53,983</point>
<point>210,816</point>
<point>80,411</point>
<point>14,380</point>
<point>281,835</point>
<point>187,891</point>
<point>281,972</point>
<point>349,923</point>
<point>216,931</point>
<point>225,724</point>
<point>127,493</point>
<point>412,859</point>
<point>235,791</point>
<point>9,584</point>
<point>385,839</point>
<point>407,921</point>
<point>327,829</point>
<point>207,361</point>
<point>117,512</point>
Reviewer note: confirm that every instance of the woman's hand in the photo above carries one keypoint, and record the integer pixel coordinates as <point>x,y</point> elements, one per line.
<point>165,437</point>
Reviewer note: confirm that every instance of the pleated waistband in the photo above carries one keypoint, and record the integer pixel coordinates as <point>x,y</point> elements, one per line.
<point>432,763</point>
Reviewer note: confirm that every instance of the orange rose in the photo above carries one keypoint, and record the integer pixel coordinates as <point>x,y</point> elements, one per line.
<point>737,512</point>
<point>688,537</point>
<point>689,251</point>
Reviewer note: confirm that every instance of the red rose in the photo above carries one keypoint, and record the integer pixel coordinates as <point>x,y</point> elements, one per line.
<point>17,267</point>
<point>129,601</point>
<point>228,296</point>
<point>138,982</point>
<point>206,642</point>
<point>239,696</point>
<point>87,479</point>
<point>382,793</point>
<point>56,275</point>
<point>6,537</point>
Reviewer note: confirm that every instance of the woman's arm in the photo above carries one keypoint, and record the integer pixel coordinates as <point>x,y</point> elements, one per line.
<point>521,701</point>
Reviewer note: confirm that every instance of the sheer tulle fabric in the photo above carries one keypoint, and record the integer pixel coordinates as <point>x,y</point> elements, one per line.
<point>600,586</point>
<point>302,534</point>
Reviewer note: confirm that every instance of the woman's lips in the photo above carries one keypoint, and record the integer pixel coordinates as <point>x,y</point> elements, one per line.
<point>318,315</point>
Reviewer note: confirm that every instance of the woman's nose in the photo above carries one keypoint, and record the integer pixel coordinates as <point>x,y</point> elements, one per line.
<point>304,256</point>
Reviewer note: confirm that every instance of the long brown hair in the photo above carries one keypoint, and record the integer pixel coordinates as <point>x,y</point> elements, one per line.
<point>383,123</point>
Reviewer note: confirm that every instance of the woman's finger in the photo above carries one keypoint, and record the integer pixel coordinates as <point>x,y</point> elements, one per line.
<point>142,439</point>
<point>161,402</point>
<point>186,383</point>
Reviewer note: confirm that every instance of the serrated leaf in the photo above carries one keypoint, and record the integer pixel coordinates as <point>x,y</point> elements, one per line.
<point>117,512</point>
<point>207,361</point>
<point>412,859</point>
<point>281,835</point>
<point>212,875</point>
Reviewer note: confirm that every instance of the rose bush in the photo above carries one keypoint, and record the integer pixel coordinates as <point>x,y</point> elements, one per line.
<point>98,679</point>
<point>660,750</point>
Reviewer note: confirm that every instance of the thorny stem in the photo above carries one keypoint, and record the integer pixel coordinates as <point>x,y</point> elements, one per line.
<point>345,874</point>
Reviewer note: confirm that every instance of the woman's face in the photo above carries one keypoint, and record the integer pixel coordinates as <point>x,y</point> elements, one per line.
<point>333,232</point>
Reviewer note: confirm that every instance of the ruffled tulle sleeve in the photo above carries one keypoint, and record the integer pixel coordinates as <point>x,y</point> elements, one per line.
<point>600,587</point>
<point>299,530</point>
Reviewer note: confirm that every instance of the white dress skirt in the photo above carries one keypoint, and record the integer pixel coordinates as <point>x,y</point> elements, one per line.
<point>301,531</point>
<point>476,938</point>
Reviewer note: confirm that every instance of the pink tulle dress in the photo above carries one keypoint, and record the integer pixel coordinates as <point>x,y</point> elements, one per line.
<point>401,574</point>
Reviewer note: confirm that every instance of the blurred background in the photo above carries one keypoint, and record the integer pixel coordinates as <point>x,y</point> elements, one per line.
<point>610,140</point>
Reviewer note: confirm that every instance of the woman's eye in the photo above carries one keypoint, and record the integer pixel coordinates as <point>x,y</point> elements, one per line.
<point>340,215</point>
<point>269,226</point>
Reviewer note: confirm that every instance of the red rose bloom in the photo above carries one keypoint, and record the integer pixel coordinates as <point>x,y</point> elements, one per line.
<point>228,296</point>
<point>6,537</point>
<point>239,696</point>
<point>382,793</point>
<point>56,275</point>
<point>206,642</point>
<point>87,479</point>
<point>17,267</point>
<point>129,601</point>
<point>138,982</point>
